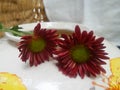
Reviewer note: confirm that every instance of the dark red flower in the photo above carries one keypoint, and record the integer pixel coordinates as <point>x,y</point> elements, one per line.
<point>39,46</point>
<point>81,53</point>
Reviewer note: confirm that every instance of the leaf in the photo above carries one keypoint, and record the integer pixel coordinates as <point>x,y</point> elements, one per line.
<point>16,28</point>
<point>1,26</point>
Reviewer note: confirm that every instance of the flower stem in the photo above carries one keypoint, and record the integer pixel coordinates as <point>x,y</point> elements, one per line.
<point>16,33</point>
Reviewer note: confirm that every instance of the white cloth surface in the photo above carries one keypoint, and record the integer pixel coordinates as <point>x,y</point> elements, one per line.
<point>64,10</point>
<point>102,16</point>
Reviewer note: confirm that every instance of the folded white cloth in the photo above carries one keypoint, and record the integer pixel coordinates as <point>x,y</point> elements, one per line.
<point>103,16</point>
<point>64,10</point>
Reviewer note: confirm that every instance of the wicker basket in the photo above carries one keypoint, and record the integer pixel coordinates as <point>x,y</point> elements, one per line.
<point>15,12</point>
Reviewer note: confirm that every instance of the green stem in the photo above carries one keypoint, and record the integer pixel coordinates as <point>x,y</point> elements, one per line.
<point>16,33</point>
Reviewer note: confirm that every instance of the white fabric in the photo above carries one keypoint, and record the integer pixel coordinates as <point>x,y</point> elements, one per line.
<point>103,16</point>
<point>64,10</point>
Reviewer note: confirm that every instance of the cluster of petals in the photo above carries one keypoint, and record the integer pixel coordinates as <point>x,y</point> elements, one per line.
<point>39,46</point>
<point>88,62</point>
<point>95,47</point>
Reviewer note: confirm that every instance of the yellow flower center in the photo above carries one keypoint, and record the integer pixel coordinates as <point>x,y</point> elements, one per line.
<point>37,45</point>
<point>80,54</point>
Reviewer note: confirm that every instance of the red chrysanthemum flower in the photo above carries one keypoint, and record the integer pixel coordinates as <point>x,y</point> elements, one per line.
<point>39,46</point>
<point>81,53</point>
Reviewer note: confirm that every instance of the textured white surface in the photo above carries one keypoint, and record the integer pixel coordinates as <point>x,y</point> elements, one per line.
<point>104,17</point>
<point>45,76</point>
<point>64,10</point>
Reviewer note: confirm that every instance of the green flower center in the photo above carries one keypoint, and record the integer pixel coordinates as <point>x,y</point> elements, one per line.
<point>80,54</point>
<point>37,45</point>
